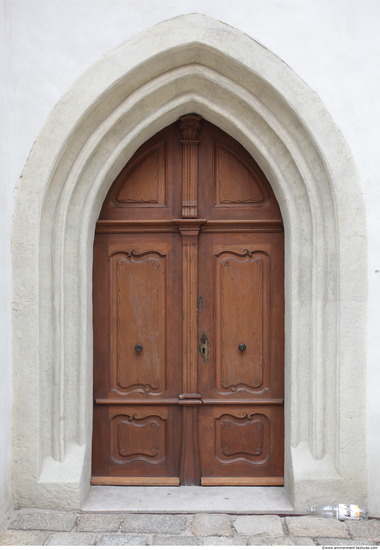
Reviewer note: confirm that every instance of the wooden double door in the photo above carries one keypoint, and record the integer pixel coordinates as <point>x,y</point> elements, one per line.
<point>188,317</point>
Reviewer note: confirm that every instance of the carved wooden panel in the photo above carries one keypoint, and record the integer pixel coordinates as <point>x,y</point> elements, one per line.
<point>242,438</point>
<point>138,438</point>
<point>149,185</point>
<point>232,185</point>
<point>240,310</point>
<point>136,441</point>
<point>235,181</point>
<point>138,302</point>
<point>241,442</point>
<point>242,305</point>
<point>143,182</point>
<point>137,281</point>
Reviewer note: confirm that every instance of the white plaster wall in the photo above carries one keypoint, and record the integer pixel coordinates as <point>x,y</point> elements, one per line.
<point>332,44</point>
<point>5,285</point>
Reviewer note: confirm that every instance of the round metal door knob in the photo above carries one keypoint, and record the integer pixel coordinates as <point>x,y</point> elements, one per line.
<point>138,348</point>
<point>242,347</point>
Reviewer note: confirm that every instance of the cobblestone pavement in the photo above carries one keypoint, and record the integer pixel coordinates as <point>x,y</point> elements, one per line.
<point>55,528</point>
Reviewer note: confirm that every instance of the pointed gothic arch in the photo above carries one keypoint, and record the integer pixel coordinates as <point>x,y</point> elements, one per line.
<point>189,64</point>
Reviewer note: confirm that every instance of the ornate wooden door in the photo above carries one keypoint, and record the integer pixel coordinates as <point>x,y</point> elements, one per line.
<point>188,317</point>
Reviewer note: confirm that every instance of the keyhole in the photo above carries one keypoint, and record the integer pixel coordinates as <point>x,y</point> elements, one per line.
<point>203,347</point>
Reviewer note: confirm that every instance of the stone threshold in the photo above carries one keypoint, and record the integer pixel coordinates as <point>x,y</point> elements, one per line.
<point>188,500</point>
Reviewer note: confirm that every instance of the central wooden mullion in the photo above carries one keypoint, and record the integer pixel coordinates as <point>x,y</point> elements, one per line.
<point>189,227</point>
<point>190,398</point>
<point>189,233</point>
<point>190,126</point>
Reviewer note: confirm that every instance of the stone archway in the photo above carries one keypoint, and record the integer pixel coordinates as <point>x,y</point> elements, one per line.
<point>189,64</point>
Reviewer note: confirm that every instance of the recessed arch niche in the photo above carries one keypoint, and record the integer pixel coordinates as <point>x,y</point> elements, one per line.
<point>189,64</point>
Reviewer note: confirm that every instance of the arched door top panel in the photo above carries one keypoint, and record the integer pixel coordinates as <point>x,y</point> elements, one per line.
<point>230,183</point>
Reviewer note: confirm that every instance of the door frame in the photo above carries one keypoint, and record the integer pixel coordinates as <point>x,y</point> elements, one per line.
<point>194,399</point>
<point>252,95</point>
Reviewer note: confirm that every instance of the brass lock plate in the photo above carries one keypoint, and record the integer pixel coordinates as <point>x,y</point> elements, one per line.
<point>203,347</point>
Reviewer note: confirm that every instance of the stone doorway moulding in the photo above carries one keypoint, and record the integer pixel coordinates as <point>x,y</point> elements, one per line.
<point>189,64</point>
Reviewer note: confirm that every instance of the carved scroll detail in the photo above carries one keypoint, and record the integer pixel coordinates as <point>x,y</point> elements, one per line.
<point>246,253</point>
<point>134,254</point>
<point>190,126</point>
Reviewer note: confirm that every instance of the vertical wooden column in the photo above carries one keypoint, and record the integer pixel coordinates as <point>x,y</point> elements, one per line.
<point>189,230</point>
<point>190,399</point>
<point>189,227</point>
<point>190,126</point>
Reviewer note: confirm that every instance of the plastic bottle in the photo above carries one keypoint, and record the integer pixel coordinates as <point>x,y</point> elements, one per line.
<point>341,511</point>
